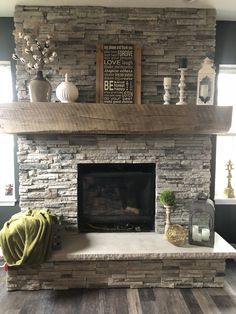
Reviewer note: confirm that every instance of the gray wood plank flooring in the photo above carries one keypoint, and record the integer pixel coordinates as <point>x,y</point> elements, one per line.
<point>123,301</point>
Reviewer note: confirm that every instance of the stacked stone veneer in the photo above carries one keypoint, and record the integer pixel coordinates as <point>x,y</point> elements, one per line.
<point>164,35</point>
<point>48,164</point>
<point>48,168</point>
<point>166,273</point>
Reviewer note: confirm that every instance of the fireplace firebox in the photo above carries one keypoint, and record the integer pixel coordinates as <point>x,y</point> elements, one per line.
<point>116,197</point>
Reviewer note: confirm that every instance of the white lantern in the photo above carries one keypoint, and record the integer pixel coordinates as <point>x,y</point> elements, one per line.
<point>206,83</point>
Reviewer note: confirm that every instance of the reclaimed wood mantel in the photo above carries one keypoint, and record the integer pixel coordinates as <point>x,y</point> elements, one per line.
<point>92,118</point>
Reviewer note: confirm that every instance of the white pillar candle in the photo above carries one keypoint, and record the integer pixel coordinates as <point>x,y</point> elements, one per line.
<point>195,229</point>
<point>197,237</point>
<point>167,81</point>
<point>205,234</point>
<point>204,91</point>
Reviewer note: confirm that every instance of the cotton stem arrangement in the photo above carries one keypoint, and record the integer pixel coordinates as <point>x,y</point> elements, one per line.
<point>35,54</point>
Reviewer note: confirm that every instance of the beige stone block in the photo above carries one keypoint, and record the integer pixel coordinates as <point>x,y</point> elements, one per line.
<point>171,277</point>
<point>153,275</point>
<point>170,272</point>
<point>219,280</point>
<point>118,276</point>
<point>183,285</point>
<point>213,285</point>
<point>166,284</point>
<point>151,285</point>
<point>116,271</point>
<point>136,276</point>
<point>135,272</point>
<point>208,279</point>
<point>191,273</point>
<point>117,284</point>
<point>208,272</point>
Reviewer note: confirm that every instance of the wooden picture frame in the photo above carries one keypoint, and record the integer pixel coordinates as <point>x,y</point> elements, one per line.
<point>118,74</point>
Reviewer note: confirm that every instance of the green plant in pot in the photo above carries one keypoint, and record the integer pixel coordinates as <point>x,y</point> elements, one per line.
<point>167,199</point>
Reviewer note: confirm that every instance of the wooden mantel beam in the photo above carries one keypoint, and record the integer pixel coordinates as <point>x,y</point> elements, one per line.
<point>92,118</point>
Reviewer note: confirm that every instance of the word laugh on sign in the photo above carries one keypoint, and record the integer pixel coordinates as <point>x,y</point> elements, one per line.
<point>118,74</point>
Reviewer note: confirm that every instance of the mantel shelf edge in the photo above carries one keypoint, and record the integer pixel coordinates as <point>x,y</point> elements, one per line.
<point>94,118</point>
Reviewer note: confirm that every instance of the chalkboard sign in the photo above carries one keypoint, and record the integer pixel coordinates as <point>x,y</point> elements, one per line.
<point>118,74</point>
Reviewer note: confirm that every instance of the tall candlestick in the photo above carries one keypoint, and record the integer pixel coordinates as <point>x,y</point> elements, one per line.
<point>181,87</point>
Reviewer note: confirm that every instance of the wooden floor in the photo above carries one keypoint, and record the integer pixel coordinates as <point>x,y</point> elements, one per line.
<point>123,301</point>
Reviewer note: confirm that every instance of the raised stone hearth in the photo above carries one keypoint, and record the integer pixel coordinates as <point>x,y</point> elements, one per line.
<point>134,260</point>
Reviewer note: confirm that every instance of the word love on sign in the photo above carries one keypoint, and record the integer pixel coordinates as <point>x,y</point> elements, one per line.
<point>118,74</point>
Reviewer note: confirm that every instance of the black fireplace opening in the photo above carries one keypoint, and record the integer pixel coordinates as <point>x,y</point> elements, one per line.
<point>116,197</point>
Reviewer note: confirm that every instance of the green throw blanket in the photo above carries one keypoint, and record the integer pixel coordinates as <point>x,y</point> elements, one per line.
<point>27,237</point>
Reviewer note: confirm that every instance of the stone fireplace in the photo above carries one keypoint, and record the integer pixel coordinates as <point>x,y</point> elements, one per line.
<point>131,153</point>
<point>49,175</point>
<point>52,170</point>
<point>137,165</point>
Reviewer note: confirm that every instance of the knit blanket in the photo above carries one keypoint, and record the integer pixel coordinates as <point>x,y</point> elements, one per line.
<point>27,237</point>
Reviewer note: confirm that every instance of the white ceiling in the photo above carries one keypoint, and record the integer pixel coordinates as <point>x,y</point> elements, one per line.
<point>226,9</point>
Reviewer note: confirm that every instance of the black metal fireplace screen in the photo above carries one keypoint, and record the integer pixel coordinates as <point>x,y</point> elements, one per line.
<point>116,197</point>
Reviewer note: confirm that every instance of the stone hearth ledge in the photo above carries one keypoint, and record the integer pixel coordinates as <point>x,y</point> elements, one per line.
<point>128,260</point>
<point>134,246</point>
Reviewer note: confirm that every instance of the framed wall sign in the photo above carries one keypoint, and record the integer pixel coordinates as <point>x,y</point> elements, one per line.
<point>118,74</point>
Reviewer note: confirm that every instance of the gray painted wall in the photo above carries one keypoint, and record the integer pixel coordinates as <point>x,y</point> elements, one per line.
<point>7,46</point>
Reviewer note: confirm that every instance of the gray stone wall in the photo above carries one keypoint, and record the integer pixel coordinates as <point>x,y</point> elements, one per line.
<point>48,168</point>
<point>48,165</point>
<point>164,273</point>
<point>164,35</point>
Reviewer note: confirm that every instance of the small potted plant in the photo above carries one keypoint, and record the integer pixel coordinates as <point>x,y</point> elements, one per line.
<point>167,199</point>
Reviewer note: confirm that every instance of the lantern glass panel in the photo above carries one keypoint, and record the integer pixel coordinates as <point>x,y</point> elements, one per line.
<point>201,222</point>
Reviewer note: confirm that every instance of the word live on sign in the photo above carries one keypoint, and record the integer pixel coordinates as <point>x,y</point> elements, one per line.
<point>118,74</point>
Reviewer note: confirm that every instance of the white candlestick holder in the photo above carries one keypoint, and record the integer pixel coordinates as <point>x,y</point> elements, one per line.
<point>181,87</point>
<point>166,96</point>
